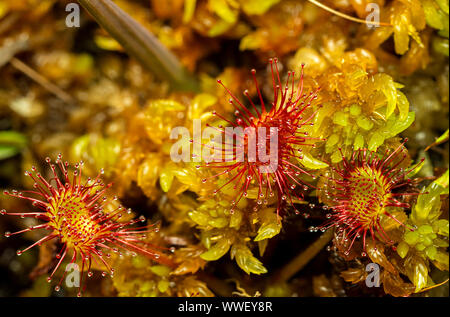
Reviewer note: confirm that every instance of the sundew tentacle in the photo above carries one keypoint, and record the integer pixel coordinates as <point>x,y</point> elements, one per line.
<point>363,189</point>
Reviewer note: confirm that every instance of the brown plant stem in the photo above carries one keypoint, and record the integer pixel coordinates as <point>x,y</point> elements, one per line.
<point>299,262</point>
<point>140,43</point>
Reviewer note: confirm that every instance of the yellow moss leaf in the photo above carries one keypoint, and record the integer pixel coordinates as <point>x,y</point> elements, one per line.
<point>395,286</point>
<point>262,245</point>
<point>376,254</point>
<point>354,275</point>
<point>402,249</point>
<point>403,106</point>
<point>165,180</point>
<point>268,231</point>
<point>199,217</point>
<point>417,271</point>
<point>160,270</point>
<point>257,6</point>
<point>220,222</point>
<point>223,10</point>
<point>311,163</point>
<point>375,141</point>
<point>251,41</point>
<point>163,286</point>
<point>189,9</point>
<point>236,219</point>
<point>107,43</point>
<point>217,250</point>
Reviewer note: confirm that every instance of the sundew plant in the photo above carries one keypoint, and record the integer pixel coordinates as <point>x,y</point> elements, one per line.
<point>289,148</point>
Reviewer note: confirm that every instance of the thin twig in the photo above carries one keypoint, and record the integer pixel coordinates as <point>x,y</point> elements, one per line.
<point>41,80</point>
<point>299,262</point>
<point>431,287</point>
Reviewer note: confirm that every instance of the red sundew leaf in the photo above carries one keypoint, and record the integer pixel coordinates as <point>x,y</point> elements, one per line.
<point>289,112</point>
<point>366,189</point>
<point>75,215</point>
